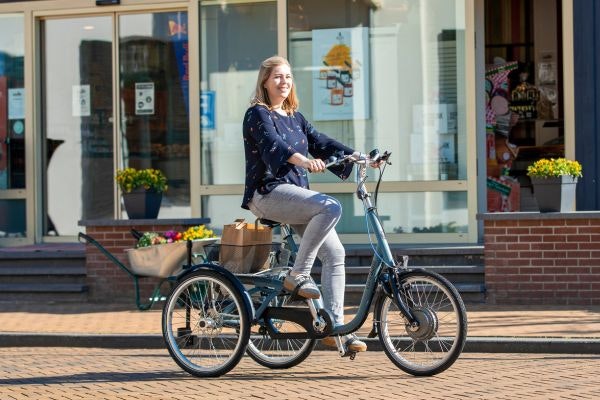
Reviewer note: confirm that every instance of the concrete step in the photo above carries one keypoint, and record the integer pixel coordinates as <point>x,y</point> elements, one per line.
<point>455,274</point>
<point>43,273</point>
<point>421,255</point>
<point>75,273</point>
<point>462,265</point>
<point>43,292</point>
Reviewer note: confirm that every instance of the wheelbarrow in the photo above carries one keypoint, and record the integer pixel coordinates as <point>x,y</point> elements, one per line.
<point>164,261</point>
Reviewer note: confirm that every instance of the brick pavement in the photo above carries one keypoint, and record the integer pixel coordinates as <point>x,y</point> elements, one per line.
<point>63,373</point>
<point>494,321</point>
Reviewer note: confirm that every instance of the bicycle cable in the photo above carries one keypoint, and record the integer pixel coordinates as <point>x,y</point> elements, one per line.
<point>369,228</point>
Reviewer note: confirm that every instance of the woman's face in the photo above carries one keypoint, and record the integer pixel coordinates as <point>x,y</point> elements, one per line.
<point>279,84</point>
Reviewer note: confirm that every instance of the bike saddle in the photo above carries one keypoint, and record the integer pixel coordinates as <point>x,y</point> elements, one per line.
<point>269,223</point>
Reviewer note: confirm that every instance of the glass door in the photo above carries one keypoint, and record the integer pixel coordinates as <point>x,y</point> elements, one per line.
<point>130,70</point>
<point>77,122</point>
<point>154,102</point>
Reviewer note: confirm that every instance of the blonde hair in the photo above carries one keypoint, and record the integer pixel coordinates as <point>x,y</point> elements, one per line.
<point>261,97</point>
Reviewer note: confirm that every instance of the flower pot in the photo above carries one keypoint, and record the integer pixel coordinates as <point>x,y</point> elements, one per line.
<point>555,194</point>
<point>142,204</point>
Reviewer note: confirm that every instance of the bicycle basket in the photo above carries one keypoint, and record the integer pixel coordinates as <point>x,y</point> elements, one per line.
<point>240,259</point>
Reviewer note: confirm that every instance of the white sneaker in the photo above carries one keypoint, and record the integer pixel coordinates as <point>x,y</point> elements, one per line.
<point>303,285</point>
<point>352,342</point>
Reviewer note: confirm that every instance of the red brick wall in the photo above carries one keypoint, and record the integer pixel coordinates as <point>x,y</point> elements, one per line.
<point>108,282</point>
<point>542,261</point>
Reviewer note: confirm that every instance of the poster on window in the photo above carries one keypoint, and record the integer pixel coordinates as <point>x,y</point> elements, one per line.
<point>80,101</point>
<point>340,78</point>
<point>144,98</point>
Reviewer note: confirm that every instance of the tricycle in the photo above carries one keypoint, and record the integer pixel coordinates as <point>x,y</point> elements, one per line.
<point>213,316</point>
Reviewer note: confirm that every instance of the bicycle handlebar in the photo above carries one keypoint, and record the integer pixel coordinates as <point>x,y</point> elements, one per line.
<point>373,156</point>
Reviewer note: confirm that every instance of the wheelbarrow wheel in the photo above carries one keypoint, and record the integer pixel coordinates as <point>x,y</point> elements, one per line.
<point>205,324</point>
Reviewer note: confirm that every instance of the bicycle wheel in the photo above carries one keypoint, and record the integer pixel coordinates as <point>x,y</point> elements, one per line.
<point>438,341</point>
<point>278,353</point>
<point>205,324</point>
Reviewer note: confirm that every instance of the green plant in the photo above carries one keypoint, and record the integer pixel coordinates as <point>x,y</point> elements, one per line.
<point>553,167</point>
<point>149,178</point>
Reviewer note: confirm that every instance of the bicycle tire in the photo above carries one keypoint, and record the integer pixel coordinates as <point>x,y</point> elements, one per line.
<point>439,340</point>
<point>278,353</point>
<point>205,324</point>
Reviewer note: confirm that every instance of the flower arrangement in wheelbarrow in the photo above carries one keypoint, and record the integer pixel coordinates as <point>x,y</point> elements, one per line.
<point>161,254</point>
<point>172,236</point>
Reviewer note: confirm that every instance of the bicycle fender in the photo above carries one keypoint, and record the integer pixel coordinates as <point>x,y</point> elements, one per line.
<point>227,275</point>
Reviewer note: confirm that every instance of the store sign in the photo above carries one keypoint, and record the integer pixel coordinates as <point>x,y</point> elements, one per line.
<point>144,98</point>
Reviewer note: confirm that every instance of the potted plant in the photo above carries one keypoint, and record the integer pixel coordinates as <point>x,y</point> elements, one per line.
<point>554,181</point>
<point>142,191</point>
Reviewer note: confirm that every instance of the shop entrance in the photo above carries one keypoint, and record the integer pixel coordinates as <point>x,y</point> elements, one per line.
<point>114,94</point>
<point>524,106</point>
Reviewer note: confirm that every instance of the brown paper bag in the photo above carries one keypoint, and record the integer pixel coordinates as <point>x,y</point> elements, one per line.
<point>245,247</point>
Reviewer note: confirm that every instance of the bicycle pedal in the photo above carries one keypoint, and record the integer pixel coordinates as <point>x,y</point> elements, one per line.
<point>352,355</point>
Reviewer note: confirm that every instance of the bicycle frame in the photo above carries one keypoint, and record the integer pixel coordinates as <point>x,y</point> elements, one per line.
<point>382,258</point>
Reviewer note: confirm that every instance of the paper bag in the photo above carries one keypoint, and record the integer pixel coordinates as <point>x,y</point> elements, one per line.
<point>245,247</point>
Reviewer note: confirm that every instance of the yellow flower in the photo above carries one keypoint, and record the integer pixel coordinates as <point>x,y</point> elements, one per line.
<point>149,178</point>
<point>553,167</point>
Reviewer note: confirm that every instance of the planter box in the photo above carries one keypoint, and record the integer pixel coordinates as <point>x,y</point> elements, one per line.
<point>555,194</point>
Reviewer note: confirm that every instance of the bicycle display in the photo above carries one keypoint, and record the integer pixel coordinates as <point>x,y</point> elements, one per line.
<point>212,316</point>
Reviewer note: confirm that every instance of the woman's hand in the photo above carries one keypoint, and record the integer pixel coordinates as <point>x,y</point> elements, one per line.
<point>314,165</point>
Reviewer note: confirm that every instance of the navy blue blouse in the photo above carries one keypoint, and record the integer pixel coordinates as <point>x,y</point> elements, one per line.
<point>270,139</point>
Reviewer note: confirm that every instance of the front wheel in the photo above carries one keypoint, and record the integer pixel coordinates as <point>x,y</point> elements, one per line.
<point>437,342</point>
<point>205,324</point>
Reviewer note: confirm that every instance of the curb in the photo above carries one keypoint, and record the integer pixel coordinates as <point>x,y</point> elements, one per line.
<point>154,341</point>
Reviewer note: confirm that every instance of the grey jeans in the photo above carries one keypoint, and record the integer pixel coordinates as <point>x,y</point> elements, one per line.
<point>313,216</point>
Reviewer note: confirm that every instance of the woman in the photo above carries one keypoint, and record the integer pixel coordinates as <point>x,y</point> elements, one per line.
<point>277,140</point>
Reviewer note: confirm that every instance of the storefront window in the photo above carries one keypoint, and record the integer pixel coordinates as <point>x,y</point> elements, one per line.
<point>389,75</point>
<point>77,124</point>
<point>13,219</point>
<point>235,38</point>
<point>154,93</point>
<point>12,125</point>
<point>12,103</point>
<point>523,99</point>
<point>430,212</point>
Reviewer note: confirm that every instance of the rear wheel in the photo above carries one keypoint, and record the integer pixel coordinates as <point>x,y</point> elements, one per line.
<point>278,353</point>
<point>205,324</point>
<point>437,342</point>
